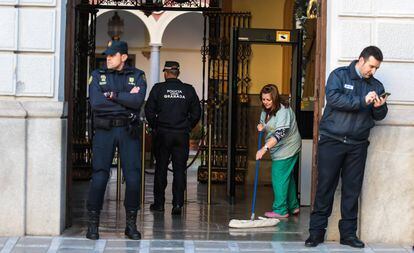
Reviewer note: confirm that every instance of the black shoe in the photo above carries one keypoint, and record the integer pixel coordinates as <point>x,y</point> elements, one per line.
<point>157,208</point>
<point>313,240</point>
<point>176,210</point>
<point>131,227</point>
<point>352,241</point>
<point>93,225</point>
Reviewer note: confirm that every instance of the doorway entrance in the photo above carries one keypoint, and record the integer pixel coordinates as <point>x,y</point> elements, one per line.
<point>82,18</point>
<point>73,90</point>
<point>249,36</point>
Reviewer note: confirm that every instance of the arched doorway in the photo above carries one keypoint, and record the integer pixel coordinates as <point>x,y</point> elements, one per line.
<point>182,40</point>
<point>86,39</point>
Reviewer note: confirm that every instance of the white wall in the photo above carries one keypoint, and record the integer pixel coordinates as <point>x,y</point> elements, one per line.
<point>135,31</point>
<point>31,77</point>
<point>387,197</point>
<point>181,41</point>
<point>30,48</point>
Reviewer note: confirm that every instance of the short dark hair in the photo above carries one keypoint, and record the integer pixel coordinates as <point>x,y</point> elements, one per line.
<point>371,51</point>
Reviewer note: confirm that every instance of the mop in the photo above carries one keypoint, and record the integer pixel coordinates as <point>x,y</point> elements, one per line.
<point>252,223</point>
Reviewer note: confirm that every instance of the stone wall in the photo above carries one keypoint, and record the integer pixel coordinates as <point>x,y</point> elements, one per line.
<point>32,175</point>
<point>33,139</point>
<point>387,199</point>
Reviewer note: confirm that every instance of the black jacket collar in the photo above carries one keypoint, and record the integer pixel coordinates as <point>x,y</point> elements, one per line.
<point>354,74</point>
<point>352,70</point>
<point>173,80</point>
<point>125,70</point>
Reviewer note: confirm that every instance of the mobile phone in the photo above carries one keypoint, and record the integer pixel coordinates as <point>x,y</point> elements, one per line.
<point>385,94</point>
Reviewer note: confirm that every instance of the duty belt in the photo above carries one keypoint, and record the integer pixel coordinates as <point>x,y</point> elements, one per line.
<point>109,123</point>
<point>118,122</point>
<point>343,139</point>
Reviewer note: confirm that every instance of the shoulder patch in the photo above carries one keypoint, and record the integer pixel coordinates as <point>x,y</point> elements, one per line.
<point>131,80</point>
<point>103,80</point>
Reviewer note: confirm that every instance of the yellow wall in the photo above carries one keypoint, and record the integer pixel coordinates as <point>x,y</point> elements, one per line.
<point>266,64</point>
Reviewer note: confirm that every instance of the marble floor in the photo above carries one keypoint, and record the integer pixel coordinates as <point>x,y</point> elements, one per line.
<point>201,228</point>
<point>199,220</point>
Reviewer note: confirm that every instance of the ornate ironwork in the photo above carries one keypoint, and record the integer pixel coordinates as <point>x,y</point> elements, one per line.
<point>85,34</point>
<point>218,53</point>
<point>149,6</point>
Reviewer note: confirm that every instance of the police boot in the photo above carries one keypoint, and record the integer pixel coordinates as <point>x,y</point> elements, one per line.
<point>131,227</point>
<point>93,225</point>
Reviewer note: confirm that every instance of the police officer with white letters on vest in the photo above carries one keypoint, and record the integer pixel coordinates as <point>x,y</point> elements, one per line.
<point>116,93</point>
<point>172,110</point>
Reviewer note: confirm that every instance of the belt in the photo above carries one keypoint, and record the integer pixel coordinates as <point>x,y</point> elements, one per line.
<point>118,122</point>
<point>344,139</point>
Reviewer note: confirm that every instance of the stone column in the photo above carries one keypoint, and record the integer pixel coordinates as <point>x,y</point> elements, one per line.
<point>155,66</point>
<point>46,167</point>
<point>13,168</point>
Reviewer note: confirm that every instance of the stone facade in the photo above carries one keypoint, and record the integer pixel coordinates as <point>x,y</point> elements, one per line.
<point>33,140</point>
<point>387,199</point>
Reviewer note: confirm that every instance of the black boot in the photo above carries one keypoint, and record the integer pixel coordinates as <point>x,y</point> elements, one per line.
<point>352,241</point>
<point>131,227</point>
<point>93,225</point>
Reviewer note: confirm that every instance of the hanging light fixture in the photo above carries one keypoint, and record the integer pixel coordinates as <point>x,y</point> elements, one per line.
<point>115,27</point>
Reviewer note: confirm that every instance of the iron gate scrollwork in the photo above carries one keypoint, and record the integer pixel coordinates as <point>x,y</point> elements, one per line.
<point>84,63</point>
<point>85,31</point>
<point>218,55</point>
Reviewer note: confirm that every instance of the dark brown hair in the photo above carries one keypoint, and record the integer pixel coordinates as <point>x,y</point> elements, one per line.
<point>276,99</point>
<point>371,51</point>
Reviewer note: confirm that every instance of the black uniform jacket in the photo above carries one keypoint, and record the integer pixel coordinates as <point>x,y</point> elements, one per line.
<point>346,114</point>
<point>173,106</point>
<point>120,82</point>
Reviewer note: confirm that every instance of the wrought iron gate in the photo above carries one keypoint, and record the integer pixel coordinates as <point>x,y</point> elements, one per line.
<point>218,52</point>
<point>84,63</point>
<point>85,31</point>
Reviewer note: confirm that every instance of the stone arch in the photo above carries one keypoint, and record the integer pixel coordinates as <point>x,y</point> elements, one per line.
<point>149,22</point>
<point>165,19</point>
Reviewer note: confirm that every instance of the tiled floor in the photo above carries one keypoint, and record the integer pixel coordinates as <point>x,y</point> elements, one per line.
<point>80,245</point>
<point>201,228</point>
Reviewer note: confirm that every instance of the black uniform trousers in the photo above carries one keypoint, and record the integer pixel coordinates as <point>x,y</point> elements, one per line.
<point>103,148</point>
<point>176,146</point>
<point>337,159</point>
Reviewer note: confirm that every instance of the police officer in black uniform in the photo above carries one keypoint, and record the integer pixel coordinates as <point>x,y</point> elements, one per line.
<point>355,100</point>
<point>172,110</point>
<point>116,93</point>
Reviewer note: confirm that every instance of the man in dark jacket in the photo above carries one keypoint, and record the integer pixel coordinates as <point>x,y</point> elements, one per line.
<point>117,93</point>
<point>172,110</point>
<point>354,102</point>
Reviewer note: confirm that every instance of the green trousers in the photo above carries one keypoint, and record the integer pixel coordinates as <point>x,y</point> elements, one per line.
<point>284,186</point>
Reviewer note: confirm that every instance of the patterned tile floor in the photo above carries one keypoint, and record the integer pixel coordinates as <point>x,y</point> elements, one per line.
<point>199,229</point>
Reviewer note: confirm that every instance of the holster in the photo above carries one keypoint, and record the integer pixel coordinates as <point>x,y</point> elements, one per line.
<point>134,127</point>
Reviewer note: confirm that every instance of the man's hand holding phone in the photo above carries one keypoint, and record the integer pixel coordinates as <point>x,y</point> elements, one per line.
<point>381,99</point>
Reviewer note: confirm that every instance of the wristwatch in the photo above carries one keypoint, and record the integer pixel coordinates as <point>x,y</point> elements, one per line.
<point>266,147</point>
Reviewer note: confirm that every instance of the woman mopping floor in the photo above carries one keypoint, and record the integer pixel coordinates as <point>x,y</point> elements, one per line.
<point>252,223</point>
<point>284,142</point>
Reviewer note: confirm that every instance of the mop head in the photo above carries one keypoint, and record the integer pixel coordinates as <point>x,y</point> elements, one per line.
<point>261,222</point>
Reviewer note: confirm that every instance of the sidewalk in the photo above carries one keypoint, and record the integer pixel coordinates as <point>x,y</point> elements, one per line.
<point>201,228</point>
<point>81,245</point>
